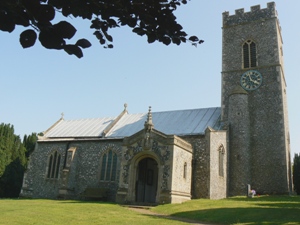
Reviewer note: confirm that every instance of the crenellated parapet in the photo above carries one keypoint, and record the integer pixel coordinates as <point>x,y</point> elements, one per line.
<point>256,13</point>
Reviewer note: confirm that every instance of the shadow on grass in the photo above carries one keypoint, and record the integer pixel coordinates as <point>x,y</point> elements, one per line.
<point>67,201</point>
<point>284,205</point>
<point>267,198</point>
<point>86,202</point>
<point>253,215</point>
<point>181,219</point>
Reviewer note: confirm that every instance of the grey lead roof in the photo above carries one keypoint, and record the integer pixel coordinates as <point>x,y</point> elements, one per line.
<point>179,122</point>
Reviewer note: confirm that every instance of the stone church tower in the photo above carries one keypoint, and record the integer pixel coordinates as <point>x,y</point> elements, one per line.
<point>254,102</point>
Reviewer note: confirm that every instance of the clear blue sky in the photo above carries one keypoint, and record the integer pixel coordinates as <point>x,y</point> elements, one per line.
<point>37,85</point>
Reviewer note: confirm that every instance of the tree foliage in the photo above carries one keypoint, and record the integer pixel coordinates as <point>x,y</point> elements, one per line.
<point>12,179</point>
<point>12,161</point>
<point>11,147</point>
<point>29,143</point>
<point>296,173</point>
<point>152,18</point>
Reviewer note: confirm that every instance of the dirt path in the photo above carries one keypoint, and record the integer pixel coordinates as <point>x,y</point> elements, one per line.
<point>147,211</point>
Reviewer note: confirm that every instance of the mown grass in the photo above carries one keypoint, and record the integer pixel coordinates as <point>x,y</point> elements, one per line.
<point>49,212</point>
<point>238,210</point>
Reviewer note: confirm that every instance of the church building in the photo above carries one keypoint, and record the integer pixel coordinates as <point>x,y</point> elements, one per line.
<point>178,155</point>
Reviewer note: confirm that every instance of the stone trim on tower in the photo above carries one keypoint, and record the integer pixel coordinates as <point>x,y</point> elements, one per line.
<point>256,13</point>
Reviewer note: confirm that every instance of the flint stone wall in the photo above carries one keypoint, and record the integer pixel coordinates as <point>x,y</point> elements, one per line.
<point>269,137</point>
<point>205,166</point>
<point>84,170</point>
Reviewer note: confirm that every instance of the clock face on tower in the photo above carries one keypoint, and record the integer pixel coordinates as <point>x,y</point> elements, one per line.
<point>251,80</point>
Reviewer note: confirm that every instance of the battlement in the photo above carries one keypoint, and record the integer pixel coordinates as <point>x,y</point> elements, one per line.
<point>256,13</point>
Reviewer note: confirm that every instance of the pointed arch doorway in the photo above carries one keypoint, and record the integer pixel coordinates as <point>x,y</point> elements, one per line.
<point>146,181</point>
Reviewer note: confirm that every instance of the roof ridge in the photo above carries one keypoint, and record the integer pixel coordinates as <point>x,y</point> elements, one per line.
<point>111,125</point>
<point>90,119</point>
<point>140,113</point>
<point>176,110</point>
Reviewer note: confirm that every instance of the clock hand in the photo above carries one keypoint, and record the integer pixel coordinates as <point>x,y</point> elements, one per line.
<point>249,75</point>
<point>254,81</point>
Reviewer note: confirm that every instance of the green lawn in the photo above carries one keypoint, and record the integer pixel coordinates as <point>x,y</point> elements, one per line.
<point>42,212</point>
<point>238,210</point>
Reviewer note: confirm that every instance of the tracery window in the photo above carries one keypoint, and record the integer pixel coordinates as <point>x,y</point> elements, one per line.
<point>53,165</point>
<point>109,166</point>
<point>249,54</point>
<point>221,160</point>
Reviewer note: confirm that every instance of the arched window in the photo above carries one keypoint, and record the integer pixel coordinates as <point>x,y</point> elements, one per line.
<point>249,54</point>
<point>109,166</point>
<point>53,165</point>
<point>221,160</point>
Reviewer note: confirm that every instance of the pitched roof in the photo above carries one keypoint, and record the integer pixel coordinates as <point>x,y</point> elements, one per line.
<point>179,122</point>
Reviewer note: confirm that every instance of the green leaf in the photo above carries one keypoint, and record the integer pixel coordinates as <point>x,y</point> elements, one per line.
<point>98,34</point>
<point>83,43</point>
<point>102,41</point>
<point>28,38</point>
<point>176,41</point>
<point>22,19</point>
<point>183,39</point>
<point>139,31</point>
<point>166,41</point>
<point>49,39</point>
<point>64,29</point>
<point>45,13</point>
<point>108,37</point>
<point>6,23</point>
<point>194,38</point>
<point>112,23</point>
<point>73,50</point>
<point>151,38</point>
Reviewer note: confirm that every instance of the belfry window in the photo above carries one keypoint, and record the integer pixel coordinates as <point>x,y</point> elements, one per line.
<point>53,165</point>
<point>249,54</point>
<point>109,166</point>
